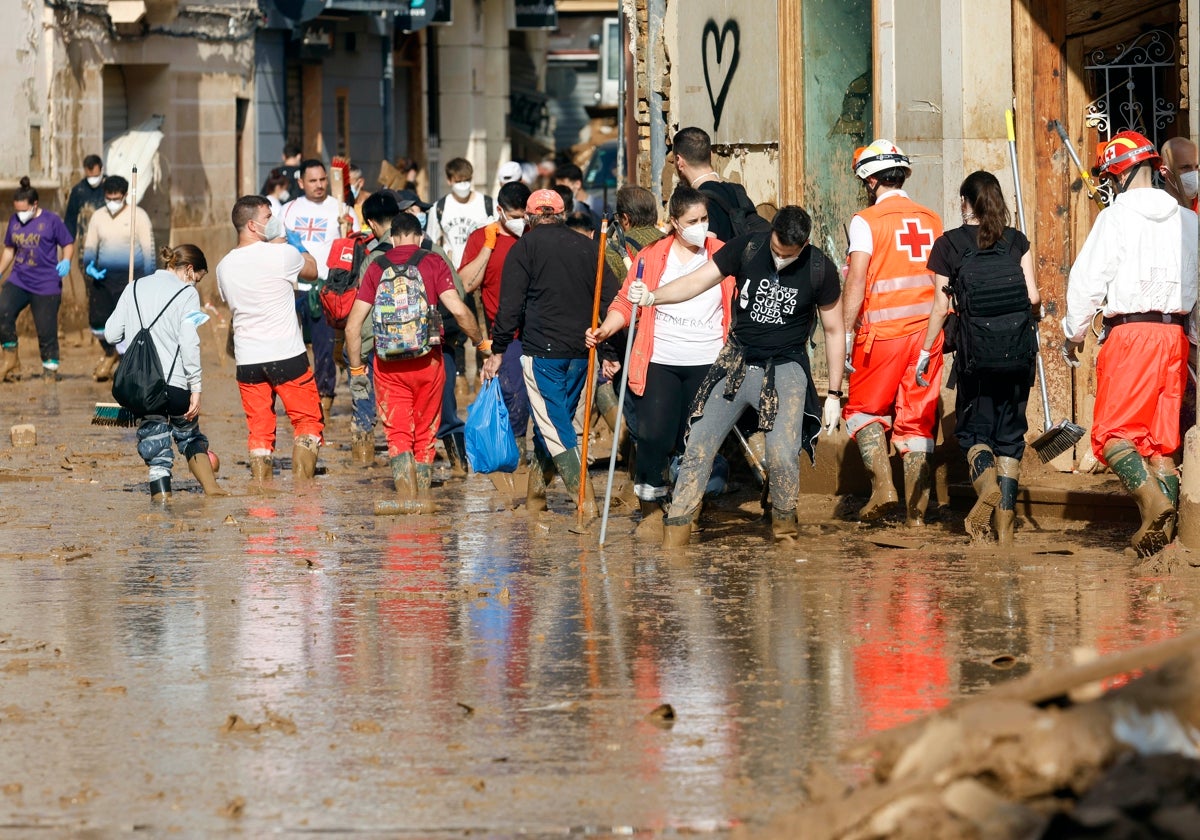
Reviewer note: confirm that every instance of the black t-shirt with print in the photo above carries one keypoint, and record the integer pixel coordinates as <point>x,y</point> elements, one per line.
<point>773,311</point>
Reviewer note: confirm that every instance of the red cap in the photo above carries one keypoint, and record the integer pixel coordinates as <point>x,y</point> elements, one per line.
<point>544,201</point>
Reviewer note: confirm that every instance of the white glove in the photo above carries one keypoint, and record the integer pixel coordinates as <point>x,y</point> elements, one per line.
<point>849,350</point>
<point>833,414</point>
<point>639,295</point>
<point>1070,352</point>
<point>923,368</point>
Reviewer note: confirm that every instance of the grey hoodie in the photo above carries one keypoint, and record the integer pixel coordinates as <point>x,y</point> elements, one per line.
<point>175,332</point>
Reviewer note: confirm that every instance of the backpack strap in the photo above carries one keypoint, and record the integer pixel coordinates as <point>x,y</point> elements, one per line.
<point>756,242</point>
<point>488,206</point>
<point>416,258</point>
<point>164,309</point>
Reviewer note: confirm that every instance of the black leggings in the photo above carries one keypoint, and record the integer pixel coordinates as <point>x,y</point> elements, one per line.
<point>990,410</point>
<point>662,420</point>
<point>102,302</point>
<point>13,299</point>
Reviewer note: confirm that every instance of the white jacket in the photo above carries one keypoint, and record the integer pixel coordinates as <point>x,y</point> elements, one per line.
<point>175,332</point>
<point>1139,257</point>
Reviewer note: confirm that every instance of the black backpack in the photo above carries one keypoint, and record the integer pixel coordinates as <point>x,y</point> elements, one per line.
<point>996,330</point>
<point>139,384</point>
<point>743,216</point>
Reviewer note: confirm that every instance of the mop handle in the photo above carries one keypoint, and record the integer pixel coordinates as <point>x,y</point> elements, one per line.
<point>132,220</point>
<point>612,460</point>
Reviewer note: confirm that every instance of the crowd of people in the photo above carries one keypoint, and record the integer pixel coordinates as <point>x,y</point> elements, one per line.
<point>724,304</point>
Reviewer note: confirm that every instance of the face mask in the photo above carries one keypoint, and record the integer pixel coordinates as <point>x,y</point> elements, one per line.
<point>274,228</point>
<point>284,196</point>
<point>515,226</point>
<point>94,180</point>
<point>1191,183</point>
<point>114,207</point>
<point>421,217</point>
<point>354,191</point>
<point>781,263</point>
<point>462,189</point>
<point>24,216</point>
<point>695,234</point>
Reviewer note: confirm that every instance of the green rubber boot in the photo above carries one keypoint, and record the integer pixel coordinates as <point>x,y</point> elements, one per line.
<point>1157,512</point>
<point>570,466</point>
<point>1009,473</point>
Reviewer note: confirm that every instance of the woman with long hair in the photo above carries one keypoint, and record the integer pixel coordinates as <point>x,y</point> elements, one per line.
<point>989,407</point>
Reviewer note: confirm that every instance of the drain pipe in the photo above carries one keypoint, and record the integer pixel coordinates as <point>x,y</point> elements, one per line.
<point>658,124</point>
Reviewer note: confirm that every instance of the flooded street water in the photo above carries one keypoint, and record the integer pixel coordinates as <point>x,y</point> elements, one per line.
<point>291,663</point>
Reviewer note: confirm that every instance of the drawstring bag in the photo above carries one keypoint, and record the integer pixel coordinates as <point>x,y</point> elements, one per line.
<point>488,435</point>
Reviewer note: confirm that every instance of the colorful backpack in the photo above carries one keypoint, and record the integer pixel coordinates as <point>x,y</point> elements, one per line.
<point>405,325</point>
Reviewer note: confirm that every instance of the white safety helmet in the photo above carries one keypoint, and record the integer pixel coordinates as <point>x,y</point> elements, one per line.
<point>880,156</point>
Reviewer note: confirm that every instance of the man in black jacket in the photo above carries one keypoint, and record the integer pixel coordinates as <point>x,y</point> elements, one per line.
<point>693,161</point>
<point>546,295</point>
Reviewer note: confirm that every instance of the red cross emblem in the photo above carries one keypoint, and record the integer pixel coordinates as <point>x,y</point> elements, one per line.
<point>311,228</point>
<point>917,240</point>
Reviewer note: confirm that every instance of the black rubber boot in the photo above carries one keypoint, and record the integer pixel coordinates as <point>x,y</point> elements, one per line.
<point>160,490</point>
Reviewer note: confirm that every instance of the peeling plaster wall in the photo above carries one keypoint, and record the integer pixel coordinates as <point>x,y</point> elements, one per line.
<point>21,64</point>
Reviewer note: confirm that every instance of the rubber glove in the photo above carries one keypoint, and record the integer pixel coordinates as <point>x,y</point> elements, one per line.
<point>849,350</point>
<point>923,368</point>
<point>639,295</point>
<point>360,387</point>
<point>1070,352</point>
<point>63,268</point>
<point>293,239</point>
<point>833,414</point>
<point>96,273</point>
<point>489,235</point>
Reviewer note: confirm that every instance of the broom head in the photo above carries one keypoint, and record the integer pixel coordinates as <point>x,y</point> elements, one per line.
<point>1056,440</point>
<point>111,414</point>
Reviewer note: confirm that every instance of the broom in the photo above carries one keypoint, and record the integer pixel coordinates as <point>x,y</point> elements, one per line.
<point>112,414</point>
<point>1062,436</point>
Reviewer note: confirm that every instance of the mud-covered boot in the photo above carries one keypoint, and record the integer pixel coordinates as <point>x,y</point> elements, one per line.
<point>541,472</point>
<point>50,371</point>
<point>916,488</point>
<point>106,367</point>
<point>784,527</point>
<point>1167,474</point>
<point>362,449</point>
<point>456,454</point>
<point>160,490</point>
<point>425,503</point>
<point>404,479</point>
<point>650,529</point>
<point>677,531</point>
<point>10,364</point>
<point>326,408</point>
<point>872,443</point>
<point>1008,474</point>
<point>570,466</point>
<point>304,458</point>
<point>262,467</point>
<point>982,464</point>
<point>1157,512</point>
<point>201,468</point>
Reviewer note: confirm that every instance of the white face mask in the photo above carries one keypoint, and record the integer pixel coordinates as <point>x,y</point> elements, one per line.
<point>25,215</point>
<point>284,196</point>
<point>114,207</point>
<point>274,228</point>
<point>1191,183</point>
<point>515,226</point>
<point>781,262</point>
<point>695,234</point>
<point>462,189</point>
<point>94,180</point>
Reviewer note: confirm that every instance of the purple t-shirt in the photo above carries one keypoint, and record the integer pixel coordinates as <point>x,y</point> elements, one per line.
<point>36,245</point>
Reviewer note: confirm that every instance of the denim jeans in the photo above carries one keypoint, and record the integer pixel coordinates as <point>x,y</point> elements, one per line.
<point>154,436</point>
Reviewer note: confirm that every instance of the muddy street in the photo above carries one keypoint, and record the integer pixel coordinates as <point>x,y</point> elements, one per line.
<point>292,663</point>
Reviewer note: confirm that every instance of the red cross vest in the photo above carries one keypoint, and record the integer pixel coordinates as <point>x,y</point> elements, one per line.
<point>900,288</point>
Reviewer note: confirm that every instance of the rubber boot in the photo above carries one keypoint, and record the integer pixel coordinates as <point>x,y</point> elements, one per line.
<point>1009,472</point>
<point>784,527</point>
<point>1167,474</point>
<point>262,467</point>
<point>872,443</point>
<point>916,488</point>
<point>160,490</point>
<point>456,454</point>
<point>541,472</point>
<point>106,367</point>
<point>201,468</point>
<point>1158,514</point>
<point>570,466</point>
<point>326,408</point>
<point>362,449</point>
<point>10,365</point>
<point>982,464</point>
<point>50,372</point>
<point>523,458</point>
<point>677,532</point>
<point>404,478</point>
<point>425,503</point>
<point>304,459</point>
<point>650,529</point>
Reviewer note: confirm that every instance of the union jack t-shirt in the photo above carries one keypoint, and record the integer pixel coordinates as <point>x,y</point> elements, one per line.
<point>317,225</point>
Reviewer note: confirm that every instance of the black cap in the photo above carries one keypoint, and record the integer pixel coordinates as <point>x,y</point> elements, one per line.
<point>407,198</point>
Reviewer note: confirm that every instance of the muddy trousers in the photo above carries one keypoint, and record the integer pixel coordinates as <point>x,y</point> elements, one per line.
<point>410,403</point>
<point>554,386</point>
<point>154,436</point>
<point>512,387</point>
<point>318,332</point>
<point>13,300</point>
<point>990,411</point>
<point>300,401</point>
<point>363,415</point>
<point>451,422</point>
<point>102,302</point>
<point>883,389</point>
<point>706,434</point>
<point>663,411</point>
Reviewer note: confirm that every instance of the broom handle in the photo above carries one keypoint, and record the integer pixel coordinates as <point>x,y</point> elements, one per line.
<point>590,388</point>
<point>612,460</point>
<point>132,219</point>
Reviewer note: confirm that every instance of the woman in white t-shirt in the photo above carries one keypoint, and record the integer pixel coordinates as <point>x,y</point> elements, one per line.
<point>673,347</point>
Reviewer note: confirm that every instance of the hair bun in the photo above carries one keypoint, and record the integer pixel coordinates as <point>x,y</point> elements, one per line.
<point>25,183</point>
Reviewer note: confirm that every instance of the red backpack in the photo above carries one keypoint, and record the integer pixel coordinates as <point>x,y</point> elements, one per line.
<point>340,287</point>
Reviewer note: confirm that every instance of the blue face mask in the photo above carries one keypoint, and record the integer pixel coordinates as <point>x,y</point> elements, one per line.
<point>421,217</point>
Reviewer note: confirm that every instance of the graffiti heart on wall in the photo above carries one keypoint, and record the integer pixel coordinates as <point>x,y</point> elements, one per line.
<point>720,62</point>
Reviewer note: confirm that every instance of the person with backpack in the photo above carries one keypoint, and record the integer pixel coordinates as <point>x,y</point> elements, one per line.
<point>888,298</point>
<point>399,292</point>
<point>166,306</point>
<point>1138,266</point>
<point>731,213</point>
<point>985,268</point>
<point>782,283</point>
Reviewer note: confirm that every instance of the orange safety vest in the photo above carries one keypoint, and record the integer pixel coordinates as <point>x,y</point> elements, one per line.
<point>900,288</point>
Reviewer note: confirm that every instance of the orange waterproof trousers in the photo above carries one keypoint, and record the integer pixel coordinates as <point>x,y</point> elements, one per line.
<point>884,389</point>
<point>1141,373</point>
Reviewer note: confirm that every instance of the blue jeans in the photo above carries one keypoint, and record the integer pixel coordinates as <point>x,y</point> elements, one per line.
<point>364,415</point>
<point>154,436</point>
<point>320,335</point>
<point>512,387</point>
<point>450,420</point>
<point>555,386</point>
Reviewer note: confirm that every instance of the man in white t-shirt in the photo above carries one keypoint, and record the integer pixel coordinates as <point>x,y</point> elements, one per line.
<point>311,223</point>
<point>259,279</point>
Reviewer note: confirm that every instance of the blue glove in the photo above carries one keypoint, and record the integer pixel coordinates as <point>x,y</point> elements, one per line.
<point>96,273</point>
<point>63,268</point>
<point>296,242</point>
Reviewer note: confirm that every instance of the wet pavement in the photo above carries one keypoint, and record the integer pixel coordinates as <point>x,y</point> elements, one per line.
<point>290,663</point>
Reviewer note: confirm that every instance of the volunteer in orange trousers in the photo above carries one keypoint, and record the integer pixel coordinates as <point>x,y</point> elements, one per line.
<point>888,298</point>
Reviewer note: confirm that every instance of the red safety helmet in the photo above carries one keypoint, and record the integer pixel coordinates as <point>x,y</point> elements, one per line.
<point>1123,152</point>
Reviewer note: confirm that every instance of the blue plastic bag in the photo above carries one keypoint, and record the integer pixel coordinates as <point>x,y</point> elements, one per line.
<point>491,446</point>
